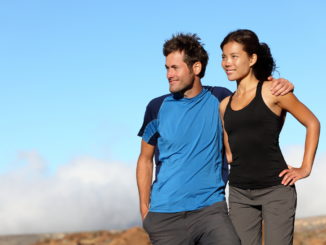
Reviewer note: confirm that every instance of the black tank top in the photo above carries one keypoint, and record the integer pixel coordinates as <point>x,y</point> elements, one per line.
<point>253,134</point>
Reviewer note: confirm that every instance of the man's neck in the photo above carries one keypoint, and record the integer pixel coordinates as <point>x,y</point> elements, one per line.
<point>194,90</point>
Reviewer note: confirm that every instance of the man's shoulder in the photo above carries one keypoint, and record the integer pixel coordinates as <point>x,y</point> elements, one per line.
<point>219,92</point>
<point>155,104</point>
<point>158,100</point>
<point>217,89</point>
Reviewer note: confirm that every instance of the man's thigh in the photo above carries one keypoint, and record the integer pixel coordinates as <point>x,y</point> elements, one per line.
<point>212,226</point>
<point>279,214</point>
<point>166,228</point>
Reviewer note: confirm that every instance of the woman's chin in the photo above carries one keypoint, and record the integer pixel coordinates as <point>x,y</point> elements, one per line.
<point>231,79</point>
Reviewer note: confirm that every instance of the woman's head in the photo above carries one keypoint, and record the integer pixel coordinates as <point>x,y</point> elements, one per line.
<point>264,63</point>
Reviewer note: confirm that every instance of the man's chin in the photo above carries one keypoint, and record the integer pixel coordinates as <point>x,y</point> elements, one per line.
<point>174,90</point>
<point>178,90</point>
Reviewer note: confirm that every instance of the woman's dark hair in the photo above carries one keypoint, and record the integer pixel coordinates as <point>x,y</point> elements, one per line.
<point>192,48</point>
<point>265,64</point>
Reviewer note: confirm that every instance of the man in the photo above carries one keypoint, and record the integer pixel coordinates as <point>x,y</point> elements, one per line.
<point>186,202</point>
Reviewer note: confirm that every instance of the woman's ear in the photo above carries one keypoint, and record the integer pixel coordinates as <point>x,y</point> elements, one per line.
<point>196,67</point>
<point>253,59</point>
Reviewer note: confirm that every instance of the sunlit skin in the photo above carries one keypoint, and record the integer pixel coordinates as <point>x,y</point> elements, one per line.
<point>144,174</point>
<point>181,78</point>
<point>236,63</point>
<point>238,66</point>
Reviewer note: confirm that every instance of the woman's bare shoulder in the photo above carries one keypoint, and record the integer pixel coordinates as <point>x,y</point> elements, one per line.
<point>266,90</point>
<point>224,103</point>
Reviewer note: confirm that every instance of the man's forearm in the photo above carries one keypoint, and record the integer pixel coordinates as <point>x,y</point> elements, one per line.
<point>144,182</point>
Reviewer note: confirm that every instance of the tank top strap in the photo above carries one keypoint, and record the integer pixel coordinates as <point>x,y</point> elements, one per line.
<point>259,88</point>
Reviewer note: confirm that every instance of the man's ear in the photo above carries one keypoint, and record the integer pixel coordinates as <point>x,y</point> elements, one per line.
<point>196,67</point>
<point>253,59</point>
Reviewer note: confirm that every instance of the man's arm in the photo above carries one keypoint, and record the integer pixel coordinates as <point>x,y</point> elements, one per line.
<point>144,176</point>
<point>280,86</point>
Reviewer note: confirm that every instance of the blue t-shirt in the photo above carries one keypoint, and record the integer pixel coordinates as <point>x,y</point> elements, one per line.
<point>191,170</point>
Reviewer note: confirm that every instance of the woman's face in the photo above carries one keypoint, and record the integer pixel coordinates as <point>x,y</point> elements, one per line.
<point>236,62</point>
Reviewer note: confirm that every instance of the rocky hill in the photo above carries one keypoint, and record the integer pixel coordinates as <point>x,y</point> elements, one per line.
<point>308,231</point>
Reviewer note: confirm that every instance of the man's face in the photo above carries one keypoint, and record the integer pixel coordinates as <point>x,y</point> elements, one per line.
<point>180,77</point>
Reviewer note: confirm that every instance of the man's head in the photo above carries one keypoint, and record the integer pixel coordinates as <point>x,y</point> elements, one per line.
<point>191,47</point>
<point>186,60</point>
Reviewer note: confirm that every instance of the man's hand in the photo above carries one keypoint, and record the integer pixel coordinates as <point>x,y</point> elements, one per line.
<point>292,175</point>
<point>280,86</point>
<point>143,212</point>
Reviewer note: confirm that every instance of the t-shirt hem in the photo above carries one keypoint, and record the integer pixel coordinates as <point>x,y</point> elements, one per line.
<point>177,210</point>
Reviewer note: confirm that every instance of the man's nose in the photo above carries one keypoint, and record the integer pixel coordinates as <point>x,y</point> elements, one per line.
<point>169,73</point>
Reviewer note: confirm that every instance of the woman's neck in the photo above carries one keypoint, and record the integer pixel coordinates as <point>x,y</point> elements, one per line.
<point>246,84</point>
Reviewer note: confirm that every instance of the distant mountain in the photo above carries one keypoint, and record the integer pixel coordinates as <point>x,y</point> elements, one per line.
<point>308,231</point>
<point>134,236</point>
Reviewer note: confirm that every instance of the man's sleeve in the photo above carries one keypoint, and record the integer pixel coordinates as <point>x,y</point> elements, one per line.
<point>149,130</point>
<point>221,93</point>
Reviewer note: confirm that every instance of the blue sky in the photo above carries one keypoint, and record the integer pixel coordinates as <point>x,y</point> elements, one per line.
<point>75,76</point>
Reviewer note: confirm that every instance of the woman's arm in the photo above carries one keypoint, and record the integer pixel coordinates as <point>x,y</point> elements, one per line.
<point>228,152</point>
<point>291,104</point>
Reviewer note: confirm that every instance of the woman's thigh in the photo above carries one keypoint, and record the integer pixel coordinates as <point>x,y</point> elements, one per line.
<point>246,216</point>
<point>279,215</point>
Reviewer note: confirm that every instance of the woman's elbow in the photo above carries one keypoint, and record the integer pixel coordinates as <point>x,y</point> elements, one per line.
<point>314,125</point>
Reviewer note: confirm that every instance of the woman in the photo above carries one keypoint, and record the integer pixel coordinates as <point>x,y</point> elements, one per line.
<point>261,184</point>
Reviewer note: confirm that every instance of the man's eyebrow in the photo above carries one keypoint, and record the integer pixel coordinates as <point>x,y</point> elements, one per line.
<point>172,66</point>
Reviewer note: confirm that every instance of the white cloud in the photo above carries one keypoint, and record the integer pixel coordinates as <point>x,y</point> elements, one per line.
<point>91,194</point>
<point>85,194</point>
<point>311,190</point>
